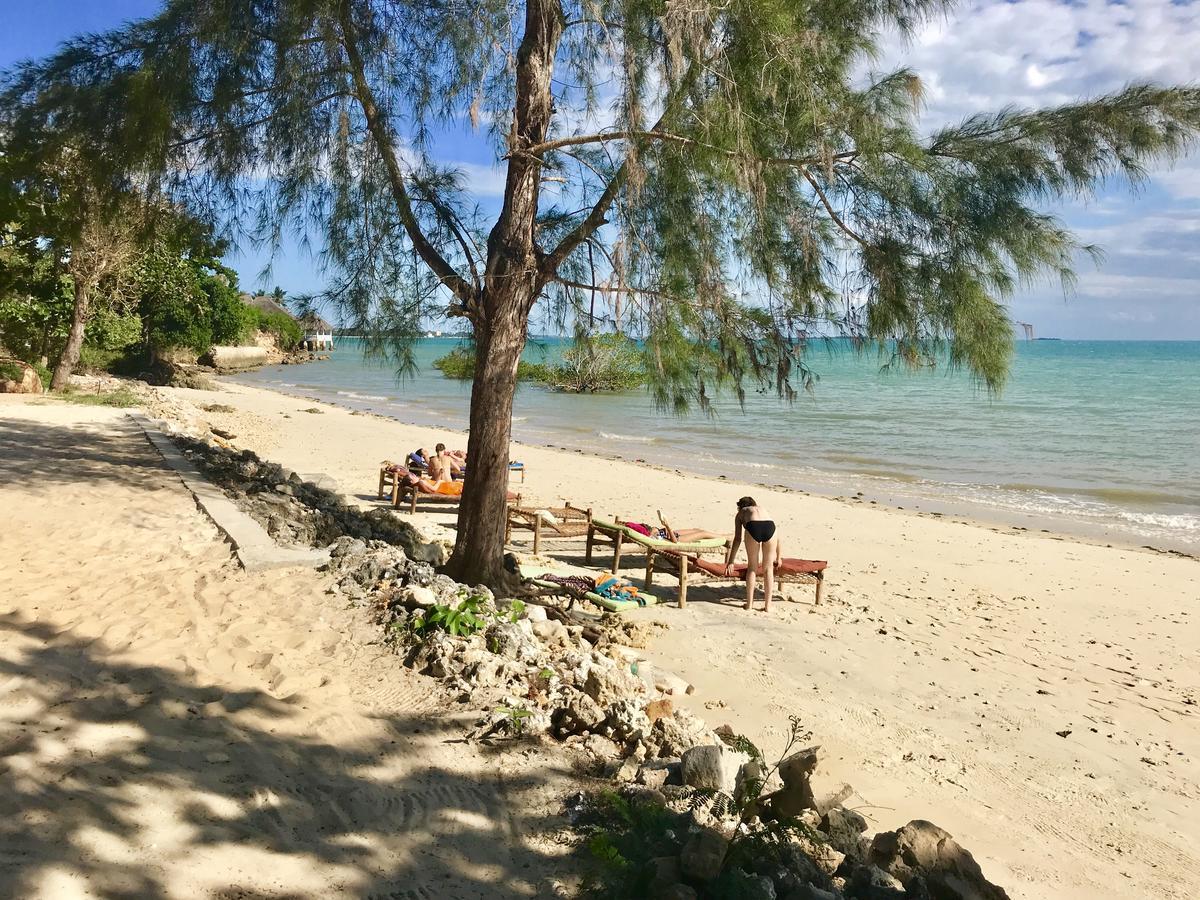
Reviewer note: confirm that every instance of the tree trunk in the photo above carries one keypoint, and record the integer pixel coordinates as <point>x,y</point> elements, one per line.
<point>512,283</point>
<point>70,355</point>
<point>479,547</point>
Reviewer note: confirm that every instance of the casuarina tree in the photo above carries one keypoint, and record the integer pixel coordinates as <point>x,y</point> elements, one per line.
<point>722,180</point>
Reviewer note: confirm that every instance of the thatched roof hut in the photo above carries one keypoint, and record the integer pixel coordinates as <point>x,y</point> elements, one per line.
<point>315,325</point>
<point>266,303</point>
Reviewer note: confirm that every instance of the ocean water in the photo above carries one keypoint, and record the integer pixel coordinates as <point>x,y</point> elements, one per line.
<point>1100,438</point>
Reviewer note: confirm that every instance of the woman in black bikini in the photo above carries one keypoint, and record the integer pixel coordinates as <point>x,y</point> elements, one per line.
<point>762,548</point>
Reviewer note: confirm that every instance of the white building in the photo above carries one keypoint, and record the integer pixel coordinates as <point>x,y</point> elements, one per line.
<point>318,334</point>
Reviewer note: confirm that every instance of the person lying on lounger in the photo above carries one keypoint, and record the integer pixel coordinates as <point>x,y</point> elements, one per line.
<point>686,535</point>
<point>762,548</point>
<point>445,486</point>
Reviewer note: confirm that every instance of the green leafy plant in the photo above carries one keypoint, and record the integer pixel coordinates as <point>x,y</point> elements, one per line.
<point>287,332</point>
<point>462,620</point>
<point>623,836</point>
<point>515,610</point>
<point>516,717</point>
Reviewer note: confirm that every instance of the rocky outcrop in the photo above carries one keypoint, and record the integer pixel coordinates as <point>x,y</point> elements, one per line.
<point>17,377</point>
<point>925,858</point>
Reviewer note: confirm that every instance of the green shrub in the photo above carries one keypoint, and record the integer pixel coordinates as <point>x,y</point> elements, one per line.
<point>112,330</point>
<point>231,320</point>
<point>192,304</point>
<point>601,364</point>
<point>460,363</point>
<point>44,373</point>
<point>287,332</point>
<point>460,621</point>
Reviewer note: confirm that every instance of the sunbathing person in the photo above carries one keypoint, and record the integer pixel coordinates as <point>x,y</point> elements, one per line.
<point>453,461</point>
<point>666,533</point>
<point>762,548</point>
<point>687,535</point>
<point>431,485</point>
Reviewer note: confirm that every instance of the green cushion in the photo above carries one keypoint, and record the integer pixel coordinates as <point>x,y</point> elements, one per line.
<point>607,602</point>
<point>660,542</point>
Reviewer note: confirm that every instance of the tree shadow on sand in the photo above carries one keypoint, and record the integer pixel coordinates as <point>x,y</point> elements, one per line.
<point>91,746</point>
<point>40,456</point>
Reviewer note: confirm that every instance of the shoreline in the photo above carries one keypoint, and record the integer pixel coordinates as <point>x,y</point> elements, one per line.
<point>978,516</point>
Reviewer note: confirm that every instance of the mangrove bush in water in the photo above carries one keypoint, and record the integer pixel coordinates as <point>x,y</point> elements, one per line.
<point>460,363</point>
<point>720,178</point>
<point>606,363</point>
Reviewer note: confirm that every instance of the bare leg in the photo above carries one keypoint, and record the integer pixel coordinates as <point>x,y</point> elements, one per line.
<point>770,552</point>
<point>752,555</point>
<point>687,535</point>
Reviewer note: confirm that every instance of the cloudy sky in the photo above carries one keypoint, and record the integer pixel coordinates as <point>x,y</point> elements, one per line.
<point>984,56</point>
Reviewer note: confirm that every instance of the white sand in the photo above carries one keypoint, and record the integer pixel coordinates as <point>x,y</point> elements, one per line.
<point>173,727</point>
<point>937,674</point>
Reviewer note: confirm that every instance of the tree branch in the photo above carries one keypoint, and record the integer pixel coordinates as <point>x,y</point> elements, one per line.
<point>829,208</point>
<point>387,151</point>
<point>179,145</point>
<point>667,137</point>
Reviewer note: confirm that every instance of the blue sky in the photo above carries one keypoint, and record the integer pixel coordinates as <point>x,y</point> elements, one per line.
<point>987,54</point>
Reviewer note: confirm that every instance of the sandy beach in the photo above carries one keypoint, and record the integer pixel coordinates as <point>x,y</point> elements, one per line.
<point>173,727</point>
<point>1036,696</point>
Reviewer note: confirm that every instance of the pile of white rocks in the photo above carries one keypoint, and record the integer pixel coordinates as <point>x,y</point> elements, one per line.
<point>743,830</point>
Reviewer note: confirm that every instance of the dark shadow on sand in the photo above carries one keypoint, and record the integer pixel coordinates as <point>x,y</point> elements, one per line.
<point>319,807</point>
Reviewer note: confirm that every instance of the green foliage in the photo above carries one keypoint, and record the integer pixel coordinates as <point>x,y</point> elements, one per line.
<point>113,329</point>
<point>623,836</point>
<point>462,620</point>
<point>231,319</point>
<point>460,363</point>
<point>599,364</point>
<point>11,371</point>
<point>189,302</point>
<point>287,332</point>
<point>36,295</point>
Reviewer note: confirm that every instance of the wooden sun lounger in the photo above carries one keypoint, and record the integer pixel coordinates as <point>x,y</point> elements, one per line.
<point>572,522</point>
<point>787,570</point>
<point>620,536</point>
<point>394,479</point>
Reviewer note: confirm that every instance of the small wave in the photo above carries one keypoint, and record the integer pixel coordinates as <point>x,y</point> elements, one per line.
<point>739,463</point>
<point>633,439</point>
<point>354,396</point>
<point>1163,520</point>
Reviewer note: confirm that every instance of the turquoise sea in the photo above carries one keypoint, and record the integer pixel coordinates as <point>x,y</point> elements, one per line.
<point>1100,438</point>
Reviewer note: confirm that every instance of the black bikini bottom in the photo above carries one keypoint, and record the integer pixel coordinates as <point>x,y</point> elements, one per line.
<point>762,530</point>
